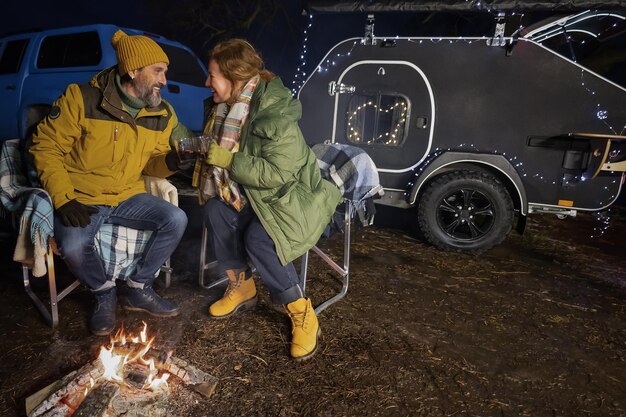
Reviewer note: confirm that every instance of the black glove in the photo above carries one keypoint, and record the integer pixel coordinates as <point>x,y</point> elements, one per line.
<point>75,214</point>
<point>175,164</point>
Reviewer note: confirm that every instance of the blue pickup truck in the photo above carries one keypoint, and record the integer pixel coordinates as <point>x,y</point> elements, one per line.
<point>36,67</point>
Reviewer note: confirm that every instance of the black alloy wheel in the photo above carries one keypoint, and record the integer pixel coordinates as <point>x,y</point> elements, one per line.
<point>465,210</point>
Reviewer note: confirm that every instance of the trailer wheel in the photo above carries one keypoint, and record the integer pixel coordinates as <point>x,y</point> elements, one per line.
<point>465,211</point>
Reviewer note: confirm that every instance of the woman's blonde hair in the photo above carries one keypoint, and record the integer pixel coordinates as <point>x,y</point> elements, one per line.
<point>239,61</point>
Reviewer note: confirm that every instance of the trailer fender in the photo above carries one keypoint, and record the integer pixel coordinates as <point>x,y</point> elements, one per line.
<point>448,160</point>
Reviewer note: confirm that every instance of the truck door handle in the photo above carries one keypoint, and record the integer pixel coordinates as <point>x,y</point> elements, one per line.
<point>10,87</point>
<point>421,122</point>
<point>173,88</point>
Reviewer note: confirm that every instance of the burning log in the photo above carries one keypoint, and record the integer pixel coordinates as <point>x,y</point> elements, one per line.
<point>68,392</point>
<point>98,400</point>
<point>132,401</point>
<point>201,382</point>
<point>129,378</point>
<point>61,411</point>
<point>136,375</point>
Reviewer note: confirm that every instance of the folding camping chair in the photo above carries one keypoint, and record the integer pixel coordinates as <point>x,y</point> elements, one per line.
<point>355,174</point>
<point>36,246</point>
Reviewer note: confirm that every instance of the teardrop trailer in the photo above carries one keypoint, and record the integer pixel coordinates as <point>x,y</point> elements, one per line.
<point>474,132</point>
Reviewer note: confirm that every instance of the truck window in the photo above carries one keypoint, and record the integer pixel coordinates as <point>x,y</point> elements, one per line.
<point>377,119</point>
<point>72,50</point>
<point>184,66</point>
<point>11,59</point>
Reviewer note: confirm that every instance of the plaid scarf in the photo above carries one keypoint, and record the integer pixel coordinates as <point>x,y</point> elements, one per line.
<point>224,127</point>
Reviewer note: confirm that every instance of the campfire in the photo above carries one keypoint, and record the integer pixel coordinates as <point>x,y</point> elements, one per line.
<point>128,378</point>
<point>141,371</point>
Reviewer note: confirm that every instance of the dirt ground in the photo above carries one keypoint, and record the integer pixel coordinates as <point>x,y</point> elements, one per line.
<point>534,327</point>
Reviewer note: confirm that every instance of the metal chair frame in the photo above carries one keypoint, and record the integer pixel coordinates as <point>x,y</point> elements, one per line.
<point>204,265</point>
<point>51,313</point>
<point>344,272</point>
<point>50,310</point>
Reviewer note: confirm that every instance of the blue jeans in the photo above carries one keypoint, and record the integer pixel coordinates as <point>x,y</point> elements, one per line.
<point>142,212</point>
<point>236,234</point>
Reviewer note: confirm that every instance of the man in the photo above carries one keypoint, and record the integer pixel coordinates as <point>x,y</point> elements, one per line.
<point>90,153</point>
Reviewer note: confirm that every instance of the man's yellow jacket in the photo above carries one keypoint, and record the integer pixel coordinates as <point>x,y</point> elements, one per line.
<point>90,149</point>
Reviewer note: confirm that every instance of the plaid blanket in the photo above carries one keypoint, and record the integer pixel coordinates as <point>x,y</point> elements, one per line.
<point>33,205</point>
<point>120,247</point>
<point>352,170</point>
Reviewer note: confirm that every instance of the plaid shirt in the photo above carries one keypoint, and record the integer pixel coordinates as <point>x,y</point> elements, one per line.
<point>120,247</point>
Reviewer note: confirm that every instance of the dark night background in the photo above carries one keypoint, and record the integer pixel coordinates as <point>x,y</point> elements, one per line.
<point>277,28</point>
<point>274,26</point>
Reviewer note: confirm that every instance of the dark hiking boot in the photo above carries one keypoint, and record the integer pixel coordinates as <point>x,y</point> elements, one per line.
<point>145,299</point>
<point>102,321</point>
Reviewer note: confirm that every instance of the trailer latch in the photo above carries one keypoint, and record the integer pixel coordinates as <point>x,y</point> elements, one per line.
<point>334,88</point>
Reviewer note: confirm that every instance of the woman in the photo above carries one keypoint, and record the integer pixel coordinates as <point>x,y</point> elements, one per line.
<point>265,200</point>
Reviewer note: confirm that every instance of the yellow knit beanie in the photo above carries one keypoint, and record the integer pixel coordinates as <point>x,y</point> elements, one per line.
<point>136,52</point>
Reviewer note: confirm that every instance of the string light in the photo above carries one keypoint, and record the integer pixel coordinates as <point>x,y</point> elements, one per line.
<point>300,76</point>
<point>391,137</point>
<point>559,27</point>
<point>603,217</point>
<point>600,112</point>
<point>603,223</point>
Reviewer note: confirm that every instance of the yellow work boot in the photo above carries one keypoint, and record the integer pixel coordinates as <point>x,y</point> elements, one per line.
<point>305,329</point>
<point>240,294</point>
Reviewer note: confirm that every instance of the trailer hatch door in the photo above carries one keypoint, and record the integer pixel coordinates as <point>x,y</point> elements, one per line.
<point>386,108</point>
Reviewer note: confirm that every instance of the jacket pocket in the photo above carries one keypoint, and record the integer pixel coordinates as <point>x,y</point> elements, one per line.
<point>282,194</point>
<point>300,211</point>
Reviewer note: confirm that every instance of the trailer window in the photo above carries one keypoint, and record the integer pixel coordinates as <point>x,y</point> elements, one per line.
<point>377,119</point>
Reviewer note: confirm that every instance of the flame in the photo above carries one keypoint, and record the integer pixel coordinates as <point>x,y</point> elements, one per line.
<point>153,384</point>
<point>113,364</point>
<point>124,349</point>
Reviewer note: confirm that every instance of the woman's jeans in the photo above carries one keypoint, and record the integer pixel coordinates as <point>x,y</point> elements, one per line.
<point>143,212</point>
<point>237,234</point>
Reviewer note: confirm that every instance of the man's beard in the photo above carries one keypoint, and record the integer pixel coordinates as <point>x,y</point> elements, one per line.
<point>147,95</point>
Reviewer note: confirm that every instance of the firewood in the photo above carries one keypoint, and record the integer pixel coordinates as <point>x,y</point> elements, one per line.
<point>136,375</point>
<point>202,382</point>
<point>70,384</point>
<point>98,400</point>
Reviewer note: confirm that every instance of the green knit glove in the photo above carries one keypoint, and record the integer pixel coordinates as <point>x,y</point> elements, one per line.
<point>218,156</point>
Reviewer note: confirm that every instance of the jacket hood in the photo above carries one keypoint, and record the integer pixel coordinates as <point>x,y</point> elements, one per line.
<point>275,98</point>
<point>101,79</point>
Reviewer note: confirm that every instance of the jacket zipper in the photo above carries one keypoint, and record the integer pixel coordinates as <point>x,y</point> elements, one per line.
<point>114,144</point>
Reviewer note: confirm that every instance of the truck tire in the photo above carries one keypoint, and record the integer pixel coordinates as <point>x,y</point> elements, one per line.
<point>465,211</point>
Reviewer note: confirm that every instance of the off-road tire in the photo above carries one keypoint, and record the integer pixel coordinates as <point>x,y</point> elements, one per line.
<point>468,211</point>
